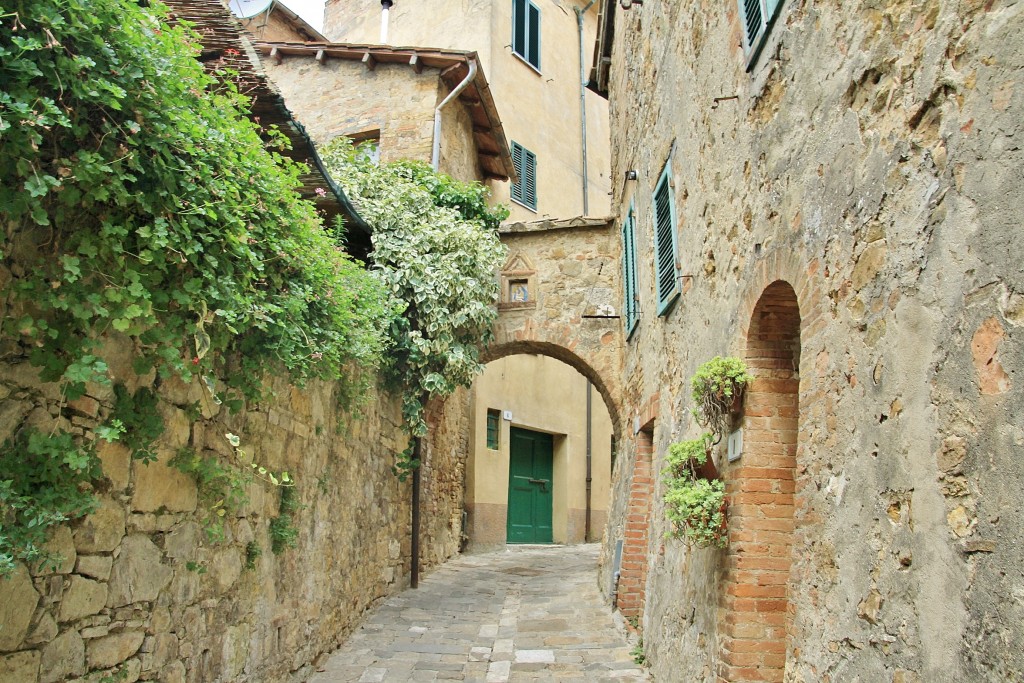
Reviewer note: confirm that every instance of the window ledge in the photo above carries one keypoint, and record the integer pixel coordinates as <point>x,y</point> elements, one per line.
<point>525,206</point>
<point>527,63</point>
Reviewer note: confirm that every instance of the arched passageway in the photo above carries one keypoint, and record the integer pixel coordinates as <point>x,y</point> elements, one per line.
<point>757,614</point>
<point>540,452</point>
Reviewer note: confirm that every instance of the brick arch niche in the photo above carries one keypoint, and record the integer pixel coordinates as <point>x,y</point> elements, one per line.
<point>761,486</point>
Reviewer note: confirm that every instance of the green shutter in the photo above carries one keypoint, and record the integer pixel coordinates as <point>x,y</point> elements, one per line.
<point>757,17</point>
<point>667,273</point>
<point>524,191</point>
<point>533,56</point>
<point>630,308</point>
<point>519,24</point>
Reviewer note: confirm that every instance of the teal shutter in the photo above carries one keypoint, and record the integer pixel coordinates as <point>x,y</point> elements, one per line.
<point>534,38</point>
<point>519,24</point>
<point>630,304</point>
<point>666,268</point>
<point>756,16</point>
<point>524,191</point>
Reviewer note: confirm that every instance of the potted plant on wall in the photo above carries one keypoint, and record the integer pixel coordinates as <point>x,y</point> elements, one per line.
<point>717,391</point>
<point>694,497</point>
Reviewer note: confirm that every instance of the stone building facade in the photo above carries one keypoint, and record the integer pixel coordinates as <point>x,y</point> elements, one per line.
<point>845,216</point>
<point>539,105</point>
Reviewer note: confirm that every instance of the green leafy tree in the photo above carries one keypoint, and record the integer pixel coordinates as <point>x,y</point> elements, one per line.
<point>436,249</point>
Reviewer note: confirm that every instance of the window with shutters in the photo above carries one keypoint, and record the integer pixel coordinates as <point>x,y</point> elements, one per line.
<point>630,302</point>
<point>493,429</point>
<point>524,191</point>
<point>666,261</point>
<point>757,17</point>
<point>526,32</point>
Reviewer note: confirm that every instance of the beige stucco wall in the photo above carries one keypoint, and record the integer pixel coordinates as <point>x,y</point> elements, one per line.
<point>871,160</point>
<point>544,395</point>
<point>541,111</point>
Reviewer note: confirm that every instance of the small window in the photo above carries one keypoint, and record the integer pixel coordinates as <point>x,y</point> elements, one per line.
<point>493,429</point>
<point>368,144</point>
<point>757,17</point>
<point>630,304</point>
<point>525,190</point>
<point>666,260</point>
<point>526,32</point>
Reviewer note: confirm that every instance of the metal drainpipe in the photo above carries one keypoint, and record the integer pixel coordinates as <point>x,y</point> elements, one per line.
<point>583,104</point>
<point>435,157</point>
<point>385,9</point>
<point>414,573</point>
<point>590,433</point>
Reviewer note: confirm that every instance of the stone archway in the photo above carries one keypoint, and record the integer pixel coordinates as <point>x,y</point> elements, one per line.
<point>758,612</point>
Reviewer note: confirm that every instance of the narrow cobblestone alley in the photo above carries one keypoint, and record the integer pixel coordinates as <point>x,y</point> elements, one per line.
<point>526,614</point>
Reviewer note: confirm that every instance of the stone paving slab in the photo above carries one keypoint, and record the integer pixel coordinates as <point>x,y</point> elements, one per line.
<point>531,613</point>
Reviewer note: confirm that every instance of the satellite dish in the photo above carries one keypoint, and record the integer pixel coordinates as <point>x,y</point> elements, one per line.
<point>247,9</point>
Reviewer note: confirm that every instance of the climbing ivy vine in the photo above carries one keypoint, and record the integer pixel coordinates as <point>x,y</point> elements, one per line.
<point>137,198</point>
<point>436,249</point>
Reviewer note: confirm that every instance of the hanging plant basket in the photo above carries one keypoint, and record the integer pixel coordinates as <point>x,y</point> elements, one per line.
<point>695,501</point>
<point>718,387</point>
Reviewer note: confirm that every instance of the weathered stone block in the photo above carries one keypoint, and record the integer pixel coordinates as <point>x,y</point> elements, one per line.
<point>18,600</point>
<point>116,460</point>
<point>62,657</point>
<point>83,598</point>
<point>138,573</point>
<point>111,650</point>
<point>62,547</point>
<point>94,566</point>
<point>159,486</point>
<point>20,667</point>
<point>101,531</point>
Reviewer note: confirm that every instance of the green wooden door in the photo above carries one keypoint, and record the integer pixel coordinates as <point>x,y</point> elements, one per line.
<point>529,487</point>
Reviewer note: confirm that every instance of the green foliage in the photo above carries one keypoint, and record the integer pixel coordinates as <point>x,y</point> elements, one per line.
<point>141,422</point>
<point>637,653</point>
<point>695,506</point>
<point>283,534</point>
<point>139,200</point>
<point>253,553</point>
<point>222,489</point>
<point>436,251</point>
<point>684,455</point>
<point>45,482</point>
<point>195,567</point>
<point>157,210</point>
<point>714,387</point>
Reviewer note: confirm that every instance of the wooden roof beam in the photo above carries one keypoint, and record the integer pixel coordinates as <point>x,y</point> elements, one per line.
<point>370,61</point>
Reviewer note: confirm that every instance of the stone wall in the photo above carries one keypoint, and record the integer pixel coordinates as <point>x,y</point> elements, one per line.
<point>854,199</point>
<point>142,590</point>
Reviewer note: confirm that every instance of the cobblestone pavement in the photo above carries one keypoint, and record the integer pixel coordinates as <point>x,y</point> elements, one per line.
<point>532,613</point>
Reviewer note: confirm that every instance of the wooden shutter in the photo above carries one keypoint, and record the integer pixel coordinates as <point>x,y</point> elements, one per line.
<point>525,190</point>
<point>630,305</point>
<point>519,27</point>
<point>756,17</point>
<point>533,49</point>
<point>665,243</point>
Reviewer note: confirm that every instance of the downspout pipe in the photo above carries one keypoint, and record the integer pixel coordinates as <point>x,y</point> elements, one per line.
<point>583,106</point>
<point>590,452</point>
<point>435,157</point>
<point>385,8</point>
